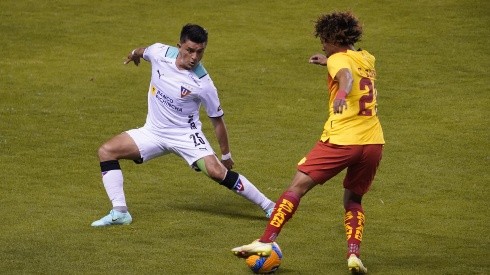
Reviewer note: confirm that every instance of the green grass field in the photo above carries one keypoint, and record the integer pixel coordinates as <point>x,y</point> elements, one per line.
<point>64,90</point>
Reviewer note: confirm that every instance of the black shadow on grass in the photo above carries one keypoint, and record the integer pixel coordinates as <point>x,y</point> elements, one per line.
<point>219,210</point>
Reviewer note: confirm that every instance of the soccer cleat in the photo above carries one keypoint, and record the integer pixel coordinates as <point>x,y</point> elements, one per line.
<point>114,218</point>
<point>268,212</point>
<point>355,265</point>
<point>255,248</point>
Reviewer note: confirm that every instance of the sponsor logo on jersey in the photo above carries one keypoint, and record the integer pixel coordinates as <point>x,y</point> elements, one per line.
<point>184,91</point>
<point>219,108</point>
<point>167,101</point>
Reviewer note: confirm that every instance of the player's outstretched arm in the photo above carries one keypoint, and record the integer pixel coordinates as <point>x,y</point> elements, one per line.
<point>135,56</point>
<point>318,59</point>
<point>222,136</point>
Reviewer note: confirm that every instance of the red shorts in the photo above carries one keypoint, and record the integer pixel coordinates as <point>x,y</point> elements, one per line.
<point>326,160</point>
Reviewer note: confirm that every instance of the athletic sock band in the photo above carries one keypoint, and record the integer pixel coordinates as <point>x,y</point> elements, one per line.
<point>230,180</point>
<point>109,165</point>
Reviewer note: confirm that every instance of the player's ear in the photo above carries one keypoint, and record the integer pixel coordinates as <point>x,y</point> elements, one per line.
<point>178,45</point>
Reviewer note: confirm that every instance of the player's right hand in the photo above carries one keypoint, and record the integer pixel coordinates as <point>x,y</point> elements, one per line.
<point>132,56</point>
<point>228,163</point>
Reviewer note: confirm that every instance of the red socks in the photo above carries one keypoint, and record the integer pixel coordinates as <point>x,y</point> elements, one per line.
<point>354,226</point>
<point>285,207</point>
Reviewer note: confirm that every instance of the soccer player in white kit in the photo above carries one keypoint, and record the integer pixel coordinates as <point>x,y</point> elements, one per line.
<point>179,85</point>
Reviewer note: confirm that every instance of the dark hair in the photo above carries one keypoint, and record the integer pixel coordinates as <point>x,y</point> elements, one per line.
<point>338,28</point>
<point>194,33</point>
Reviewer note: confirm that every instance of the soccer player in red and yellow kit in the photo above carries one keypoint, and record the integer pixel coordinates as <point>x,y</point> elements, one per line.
<point>352,137</point>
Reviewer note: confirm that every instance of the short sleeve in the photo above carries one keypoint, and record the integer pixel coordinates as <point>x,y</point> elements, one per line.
<point>210,99</point>
<point>336,62</point>
<point>152,51</point>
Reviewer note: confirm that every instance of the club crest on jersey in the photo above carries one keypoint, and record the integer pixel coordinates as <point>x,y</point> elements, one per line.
<point>238,186</point>
<point>184,91</point>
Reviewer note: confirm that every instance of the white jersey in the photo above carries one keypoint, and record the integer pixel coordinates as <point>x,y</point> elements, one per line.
<point>175,96</point>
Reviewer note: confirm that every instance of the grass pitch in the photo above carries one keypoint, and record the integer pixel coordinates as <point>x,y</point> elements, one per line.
<point>64,91</point>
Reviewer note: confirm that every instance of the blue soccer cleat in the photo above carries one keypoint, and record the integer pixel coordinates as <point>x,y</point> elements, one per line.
<point>268,212</point>
<point>114,218</point>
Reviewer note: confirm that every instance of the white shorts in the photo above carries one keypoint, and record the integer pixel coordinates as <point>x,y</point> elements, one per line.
<point>191,145</point>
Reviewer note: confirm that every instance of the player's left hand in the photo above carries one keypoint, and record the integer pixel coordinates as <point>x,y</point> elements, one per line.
<point>228,163</point>
<point>339,103</point>
<point>318,59</point>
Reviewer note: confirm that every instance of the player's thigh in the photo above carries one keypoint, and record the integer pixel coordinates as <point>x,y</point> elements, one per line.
<point>360,175</point>
<point>149,145</point>
<point>121,146</point>
<point>326,160</point>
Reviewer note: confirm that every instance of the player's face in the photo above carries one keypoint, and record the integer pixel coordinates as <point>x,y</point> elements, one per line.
<point>190,54</point>
<point>329,48</point>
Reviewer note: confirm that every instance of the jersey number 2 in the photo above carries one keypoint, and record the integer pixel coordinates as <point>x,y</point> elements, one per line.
<point>366,82</point>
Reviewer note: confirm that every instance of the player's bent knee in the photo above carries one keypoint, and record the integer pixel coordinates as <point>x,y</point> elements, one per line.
<point>104,152</point>
<point>216,172</point>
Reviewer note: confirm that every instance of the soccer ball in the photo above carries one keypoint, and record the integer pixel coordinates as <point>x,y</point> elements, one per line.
<point>265,265</point>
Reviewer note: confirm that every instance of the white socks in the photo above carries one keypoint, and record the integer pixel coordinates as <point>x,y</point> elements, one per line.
<point>113,183</point>
<point>251,193</point>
